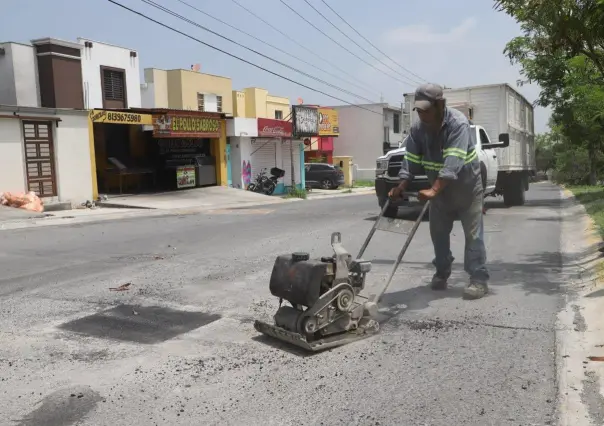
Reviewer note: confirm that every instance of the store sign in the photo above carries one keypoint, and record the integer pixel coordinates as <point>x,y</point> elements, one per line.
<point>185,177</point>
<point>117,117</point>
<point>329,123</point>
<point>268,128</point>
<point>185,126</point>
<point>305,121</point>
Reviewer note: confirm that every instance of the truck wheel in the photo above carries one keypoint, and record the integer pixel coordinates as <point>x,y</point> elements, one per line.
<point>391,211</point>
<point>513,192</point>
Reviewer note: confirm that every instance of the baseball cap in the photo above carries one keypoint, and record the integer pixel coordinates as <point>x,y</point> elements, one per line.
<point>426,95</point>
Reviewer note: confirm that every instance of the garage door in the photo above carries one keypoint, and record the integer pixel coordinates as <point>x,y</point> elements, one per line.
<point>264,156</point>
<point>39,158</point>
<point>286,155</point>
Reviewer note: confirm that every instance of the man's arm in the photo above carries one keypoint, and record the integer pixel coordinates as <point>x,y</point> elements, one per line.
<point>412,163</point>
<point>455,152</point>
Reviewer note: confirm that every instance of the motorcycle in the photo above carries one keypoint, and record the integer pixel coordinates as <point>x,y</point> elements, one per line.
<point>266,185</point>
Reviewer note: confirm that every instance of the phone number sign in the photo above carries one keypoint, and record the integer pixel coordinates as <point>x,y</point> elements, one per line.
<point>117,117</point>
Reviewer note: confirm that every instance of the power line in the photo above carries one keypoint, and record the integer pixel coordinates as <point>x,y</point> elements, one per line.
<point>170,12</point>
<point>373,45</point>
<point>235,56</point>
<point>268,44</point>
<point>361,47</point>
<point>299,44</point>
<point>339,44</point>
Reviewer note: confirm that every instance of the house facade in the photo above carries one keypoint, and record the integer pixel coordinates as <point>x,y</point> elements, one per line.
<point>366,132</point>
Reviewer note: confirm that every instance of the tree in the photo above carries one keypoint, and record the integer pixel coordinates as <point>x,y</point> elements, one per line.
<point>562,50</point>
<point>555,27</point>
<point>544,152</point>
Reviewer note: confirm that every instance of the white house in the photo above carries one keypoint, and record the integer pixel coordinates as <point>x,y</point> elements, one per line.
<point>111,75</point>
<point>366,131</point>
<point>47,151</point>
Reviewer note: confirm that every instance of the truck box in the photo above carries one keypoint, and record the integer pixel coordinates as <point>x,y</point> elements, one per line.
<point>499,109</point>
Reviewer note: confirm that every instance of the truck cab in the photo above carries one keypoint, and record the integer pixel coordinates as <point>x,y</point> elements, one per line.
<point>388,166</point>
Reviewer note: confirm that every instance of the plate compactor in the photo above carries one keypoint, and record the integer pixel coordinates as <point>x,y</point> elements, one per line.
<point>326,306</point>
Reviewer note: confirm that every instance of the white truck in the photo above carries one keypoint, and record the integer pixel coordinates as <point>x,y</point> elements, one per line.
<point>497,113</point>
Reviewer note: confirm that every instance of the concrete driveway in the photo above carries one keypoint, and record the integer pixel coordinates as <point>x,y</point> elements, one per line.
<point>178,347</point>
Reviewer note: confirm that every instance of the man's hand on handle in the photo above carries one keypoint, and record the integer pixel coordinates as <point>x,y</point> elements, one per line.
<point>428,194</point>
<point>398,191</point>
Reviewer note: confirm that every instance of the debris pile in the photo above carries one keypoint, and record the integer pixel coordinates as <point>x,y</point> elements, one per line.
<point>27,201</point>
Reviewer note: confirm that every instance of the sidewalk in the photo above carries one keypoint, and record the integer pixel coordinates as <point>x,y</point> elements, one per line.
<point>342,192</point>
<point>580,328</point>
<point>164,204</point>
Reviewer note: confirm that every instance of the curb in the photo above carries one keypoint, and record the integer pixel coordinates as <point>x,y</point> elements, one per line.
<point>579,324</point>
<point>152,212</point>
<point>138,212</point>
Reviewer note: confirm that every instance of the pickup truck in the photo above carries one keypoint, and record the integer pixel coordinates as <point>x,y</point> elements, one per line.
<point>388,166</point>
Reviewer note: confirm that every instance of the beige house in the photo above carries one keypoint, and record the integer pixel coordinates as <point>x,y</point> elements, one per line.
<point>192,90</point>
<point>188,90</point>
<point>257,103</point>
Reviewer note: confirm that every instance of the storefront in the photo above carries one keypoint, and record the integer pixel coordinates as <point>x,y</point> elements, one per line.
<point>257,144</point>
<point>154,150</point>
<point>320,147</point>
<point>189,148</point>
<point>118,156</point>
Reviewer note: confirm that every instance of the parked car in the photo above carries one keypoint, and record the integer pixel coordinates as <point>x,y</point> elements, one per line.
<point>323,175</point>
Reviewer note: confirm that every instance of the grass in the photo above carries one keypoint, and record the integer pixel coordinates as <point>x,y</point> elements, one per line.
<point>296,193</point>
<point>592,197</point>
<point>363,184</point>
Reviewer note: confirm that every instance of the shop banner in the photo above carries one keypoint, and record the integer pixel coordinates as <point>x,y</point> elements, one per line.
<point>185,126</point>
<point>118,117</point>
<point>268,128</point>
<point>185,177</point>
<point>329,122</point>
<point>305,121</point>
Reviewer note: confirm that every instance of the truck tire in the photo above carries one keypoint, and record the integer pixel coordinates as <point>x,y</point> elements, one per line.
<point>391,211</point>
<point>513,192</point>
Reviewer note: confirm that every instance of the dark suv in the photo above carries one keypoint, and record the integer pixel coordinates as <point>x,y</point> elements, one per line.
<point>323,175</point>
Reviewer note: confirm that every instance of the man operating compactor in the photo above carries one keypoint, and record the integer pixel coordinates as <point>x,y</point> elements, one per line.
<point>441,143</point>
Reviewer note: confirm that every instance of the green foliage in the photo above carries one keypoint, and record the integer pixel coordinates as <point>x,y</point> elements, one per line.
<point>562,50</point>
<point>296,193</point>
<point>593,200</point>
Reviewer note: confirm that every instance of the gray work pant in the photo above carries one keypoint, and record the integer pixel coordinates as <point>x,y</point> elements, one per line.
<point>441,224</point>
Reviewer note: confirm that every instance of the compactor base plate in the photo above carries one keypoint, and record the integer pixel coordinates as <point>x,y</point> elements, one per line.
<point>367,328</point>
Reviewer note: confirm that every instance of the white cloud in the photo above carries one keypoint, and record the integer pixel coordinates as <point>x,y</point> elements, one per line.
<point>425,34</point>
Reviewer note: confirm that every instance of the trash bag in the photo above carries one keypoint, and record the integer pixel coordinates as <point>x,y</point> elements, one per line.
<point>27,201</point>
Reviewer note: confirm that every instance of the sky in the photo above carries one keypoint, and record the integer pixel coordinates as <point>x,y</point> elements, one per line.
<point>437,40</point>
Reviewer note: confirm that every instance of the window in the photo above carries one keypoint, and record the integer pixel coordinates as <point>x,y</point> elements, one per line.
<point>200,102</point>
<point>113,82</point>
<point>113,85</point>
<point>397,123</point>
<point>218,103</point>
<point>278,115</point>
<point>484,139</point>
<point>386,134</point>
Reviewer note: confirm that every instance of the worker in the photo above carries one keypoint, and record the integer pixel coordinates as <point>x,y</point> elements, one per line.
<point>441,142</point>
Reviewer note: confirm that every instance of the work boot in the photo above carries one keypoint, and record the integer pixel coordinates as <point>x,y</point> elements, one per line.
<point>475,290</point>
<point>439,280</point>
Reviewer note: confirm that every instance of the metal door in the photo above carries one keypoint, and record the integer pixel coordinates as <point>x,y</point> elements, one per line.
<point>40,158</point>
<point>263,156</point>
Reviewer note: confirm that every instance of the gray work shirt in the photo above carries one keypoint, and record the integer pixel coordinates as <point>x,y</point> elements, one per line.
<point>449,154</point>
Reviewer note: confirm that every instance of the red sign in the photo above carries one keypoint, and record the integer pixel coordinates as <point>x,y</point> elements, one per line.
<point>268,128</point>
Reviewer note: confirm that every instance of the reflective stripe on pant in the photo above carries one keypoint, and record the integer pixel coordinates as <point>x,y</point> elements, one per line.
<point>441,224</point>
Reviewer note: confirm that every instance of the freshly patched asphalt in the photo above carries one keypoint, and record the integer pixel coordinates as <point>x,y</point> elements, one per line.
<point>178,347</point>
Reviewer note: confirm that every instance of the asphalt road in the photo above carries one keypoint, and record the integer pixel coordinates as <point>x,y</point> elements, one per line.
<point>179,347</point>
